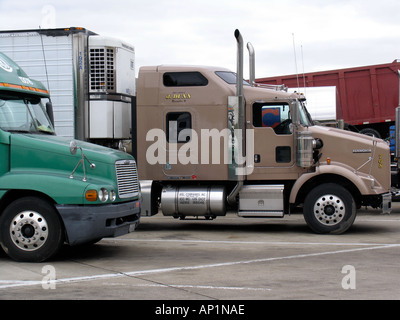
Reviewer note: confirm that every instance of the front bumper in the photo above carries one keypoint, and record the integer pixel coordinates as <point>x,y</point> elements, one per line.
<point>87,223</point>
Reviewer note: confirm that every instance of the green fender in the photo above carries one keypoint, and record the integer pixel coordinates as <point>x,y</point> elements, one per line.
<point>61,189</point>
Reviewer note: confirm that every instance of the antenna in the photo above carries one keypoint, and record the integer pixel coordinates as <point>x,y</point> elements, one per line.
<point>49,105</point>
<point>304,75</point>
<point>45,62</point>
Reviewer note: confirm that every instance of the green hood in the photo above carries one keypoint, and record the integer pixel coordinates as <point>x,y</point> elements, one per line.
<point>52,154</point>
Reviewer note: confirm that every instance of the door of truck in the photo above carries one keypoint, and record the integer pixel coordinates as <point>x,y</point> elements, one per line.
<point>181,144</point>
<point>273,139</point>
<point>182,133</point>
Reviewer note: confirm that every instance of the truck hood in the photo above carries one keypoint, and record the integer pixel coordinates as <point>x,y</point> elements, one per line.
<point>61,145</point>
<point>343,136</point>
<point>354,150</point>
<point>52,154</point>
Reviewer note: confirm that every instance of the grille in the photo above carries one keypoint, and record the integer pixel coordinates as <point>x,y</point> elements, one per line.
<point>102,74</point>
<point>127,178</point>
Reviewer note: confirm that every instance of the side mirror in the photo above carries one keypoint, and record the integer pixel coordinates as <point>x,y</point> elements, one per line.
<point>295,113</point>
<point>73,147</point>
<point>50,113</point>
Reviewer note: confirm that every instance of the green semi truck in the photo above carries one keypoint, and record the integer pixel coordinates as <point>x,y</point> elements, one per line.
<point>54,190</point>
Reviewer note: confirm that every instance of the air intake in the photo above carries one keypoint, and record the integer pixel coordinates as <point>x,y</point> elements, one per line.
<point>127,178</point>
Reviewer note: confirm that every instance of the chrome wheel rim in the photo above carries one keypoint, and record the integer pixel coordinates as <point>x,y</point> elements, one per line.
<point>29,230</point>
<point>329,210</point>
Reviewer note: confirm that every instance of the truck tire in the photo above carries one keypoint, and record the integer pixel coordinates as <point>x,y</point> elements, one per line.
<point>31,230</point>
<point>370,132</point>
<point>329,208</point>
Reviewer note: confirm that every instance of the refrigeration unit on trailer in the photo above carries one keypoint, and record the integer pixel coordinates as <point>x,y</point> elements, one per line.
<point>91,79</point>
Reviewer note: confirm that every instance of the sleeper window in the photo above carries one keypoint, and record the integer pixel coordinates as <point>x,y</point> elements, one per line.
<point>184,79</point>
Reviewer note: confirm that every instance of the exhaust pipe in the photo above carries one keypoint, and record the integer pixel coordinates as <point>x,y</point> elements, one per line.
<point>231,199</point>
<point>252,64</point>
<point>239,90</point>
<point>239,79</point>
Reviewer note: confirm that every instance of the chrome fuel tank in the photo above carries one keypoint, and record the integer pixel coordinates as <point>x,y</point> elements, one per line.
<point>206,201</point>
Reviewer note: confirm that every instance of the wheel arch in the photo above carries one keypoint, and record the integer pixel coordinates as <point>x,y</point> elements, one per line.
<point>328,178</point>
<point>13,195</point>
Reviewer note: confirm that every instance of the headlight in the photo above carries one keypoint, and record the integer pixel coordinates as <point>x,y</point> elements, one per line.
<point>113,195</point>
<point>103,195</point>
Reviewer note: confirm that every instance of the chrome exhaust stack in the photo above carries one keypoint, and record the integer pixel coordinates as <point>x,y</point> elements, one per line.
<point>239,79</point>
<point>239,91</point>
<point>231,199</point>
<point>252,64</point>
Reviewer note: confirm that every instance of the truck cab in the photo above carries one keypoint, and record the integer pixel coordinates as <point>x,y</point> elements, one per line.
<point>53,189</point>
<point>208,147</point>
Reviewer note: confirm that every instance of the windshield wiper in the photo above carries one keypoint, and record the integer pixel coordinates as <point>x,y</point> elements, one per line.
<point>45,132</point>
<point>19,131</point>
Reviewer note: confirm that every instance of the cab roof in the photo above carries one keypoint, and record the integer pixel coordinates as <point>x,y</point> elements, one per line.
<point>13,78</point>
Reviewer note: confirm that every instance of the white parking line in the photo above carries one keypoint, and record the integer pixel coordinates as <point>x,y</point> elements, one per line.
<point>202,287</point>
<point>285,243</point>
<point>224,264</point>
<point>17,283</point>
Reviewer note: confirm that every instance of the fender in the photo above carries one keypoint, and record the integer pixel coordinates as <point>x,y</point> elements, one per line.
<point>363,182</point>
<point>60,188</point>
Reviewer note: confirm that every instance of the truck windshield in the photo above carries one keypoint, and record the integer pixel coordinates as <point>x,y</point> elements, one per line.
<point>21,114</point>
<point>305,117</point>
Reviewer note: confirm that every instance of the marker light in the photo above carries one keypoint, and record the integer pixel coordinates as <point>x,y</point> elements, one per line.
<point>91,195</point>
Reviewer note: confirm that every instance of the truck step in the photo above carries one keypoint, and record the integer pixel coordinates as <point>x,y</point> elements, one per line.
<point>261,214</point>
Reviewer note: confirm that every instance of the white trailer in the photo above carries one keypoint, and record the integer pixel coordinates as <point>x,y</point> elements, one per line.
<point>321,102</point>
<point>91,79</point>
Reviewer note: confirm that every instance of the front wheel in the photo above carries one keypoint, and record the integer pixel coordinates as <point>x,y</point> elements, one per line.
<point>30,230</point>
<point>329,208</point>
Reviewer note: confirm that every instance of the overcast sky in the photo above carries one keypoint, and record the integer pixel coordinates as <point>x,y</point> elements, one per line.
<point>327,34</point>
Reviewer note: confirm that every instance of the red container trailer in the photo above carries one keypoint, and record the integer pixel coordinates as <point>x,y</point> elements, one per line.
<point>366,96</point>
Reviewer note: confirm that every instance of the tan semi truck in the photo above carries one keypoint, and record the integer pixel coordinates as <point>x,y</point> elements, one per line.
<point>209,142</point>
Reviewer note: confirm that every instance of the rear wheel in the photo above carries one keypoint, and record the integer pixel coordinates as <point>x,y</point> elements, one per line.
<point>329,208</point>
<point>30,230</point>
<point>370,132</point>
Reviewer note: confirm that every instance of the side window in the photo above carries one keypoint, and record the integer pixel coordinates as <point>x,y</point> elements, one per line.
<point>273,115</point>
<point>283,154</point>
<point>184,79</point>
<point>179,125</point>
